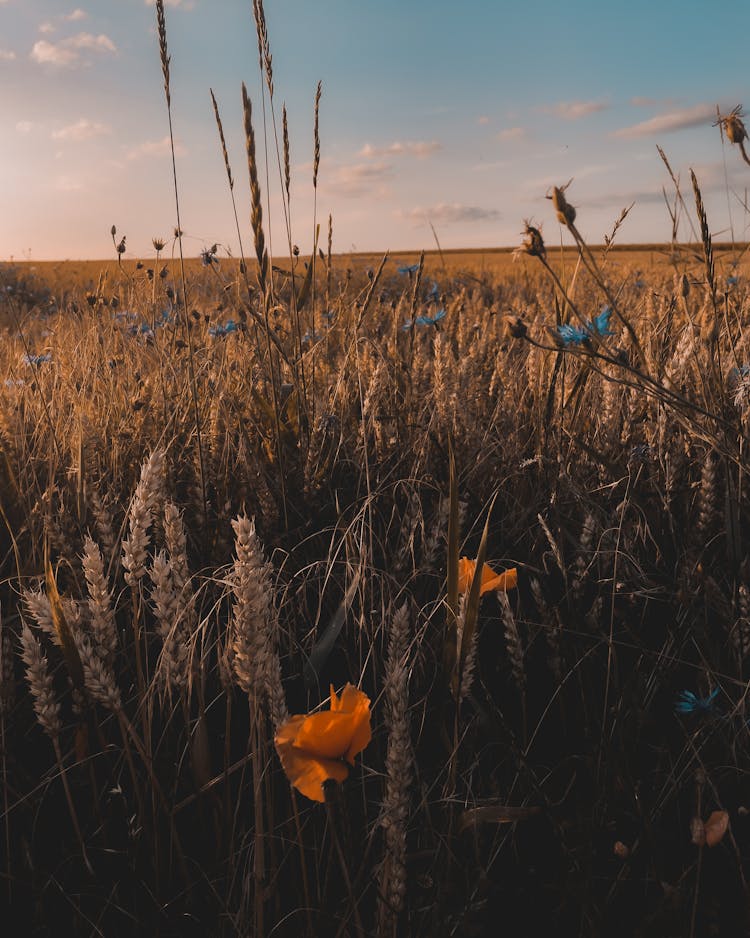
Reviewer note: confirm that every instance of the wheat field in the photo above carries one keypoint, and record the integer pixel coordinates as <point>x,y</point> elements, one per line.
<point>231,488</point>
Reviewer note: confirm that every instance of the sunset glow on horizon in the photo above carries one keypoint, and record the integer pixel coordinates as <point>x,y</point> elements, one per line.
<point>459,117</point>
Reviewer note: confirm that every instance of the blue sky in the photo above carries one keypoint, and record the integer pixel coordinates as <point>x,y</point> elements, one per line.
<point>458,114</point>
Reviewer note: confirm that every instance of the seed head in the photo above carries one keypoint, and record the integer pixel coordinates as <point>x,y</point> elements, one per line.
<point>533,242</point>
<point>566,214</point>
<point>732,125</point>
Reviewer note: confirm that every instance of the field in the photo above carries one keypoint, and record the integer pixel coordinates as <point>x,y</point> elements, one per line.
<point>232,520</point>
<point>402,594</point>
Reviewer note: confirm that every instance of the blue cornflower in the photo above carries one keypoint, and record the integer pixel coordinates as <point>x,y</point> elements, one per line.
<point>600,324</point>
<point>410,269</point>
<point>434,292</point>
<point>688,702</point>
<point>311,337</point>
<point>424,320</point>
<point>732,281</point>
<point>639,284</point>
<point>37,360</point>
<point>573,335</point>
<point>219,331</point>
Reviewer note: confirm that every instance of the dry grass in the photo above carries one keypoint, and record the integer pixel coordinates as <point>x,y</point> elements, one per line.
<point>265,489</point>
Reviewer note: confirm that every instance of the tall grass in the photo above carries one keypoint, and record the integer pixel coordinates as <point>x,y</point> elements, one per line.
<point>207,518</point>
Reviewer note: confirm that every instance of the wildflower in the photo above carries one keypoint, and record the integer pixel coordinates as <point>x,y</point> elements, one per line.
<point>687,702</point>
<point>491,581</point>
<point>220,332</point>
<point>311,337</point>
<point>36,360</point>
<point>571,335</point>
<point>316,747</point>
<point>424,320</point>
<point>732,281</point>
<point>639,284</point>
<point>434,292</point>
<point>598,326</point>
<point>409,270</point>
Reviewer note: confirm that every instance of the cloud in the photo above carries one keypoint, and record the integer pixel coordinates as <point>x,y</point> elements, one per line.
<point>83,129</point>
<point>7,55</point>
<point>452,213</point>
<point>76,15</point>
<point>155,148</point>
<point>483,119</point>
<point>513,133</point>
<point>24,127</point>
<point>67,52</point>
<point>357,178</point>
<point>670,122</point>
<point>418,148</point>
<point>574,110</point>
<point>46,27</point>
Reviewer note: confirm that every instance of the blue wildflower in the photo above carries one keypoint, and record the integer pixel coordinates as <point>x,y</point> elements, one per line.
<point>425,320</point>
<point>639,284</point>
<point>599,326</point>
<point>36,360</point>
<point>732,281</point>
<point>688,702</point>
<point>434,292</point>
<point>220,331</point>
<point>571,335</point>
<point>410,269</point>
<point>311,337</point>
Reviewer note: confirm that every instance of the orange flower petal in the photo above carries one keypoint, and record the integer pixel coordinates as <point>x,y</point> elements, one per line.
<point>466,570</point>
<point>311,747</point>
<point>715,827</point>
<point>491,581</point>
<point>308,772</point>
<point>499,582</point>
<point>327,734</point>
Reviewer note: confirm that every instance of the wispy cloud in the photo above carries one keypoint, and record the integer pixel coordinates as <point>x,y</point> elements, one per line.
<point>155,148</point>
<point>574,110</point>
<point>83,129</point>
<point>7,55</point>
<point>357,178</point>
<point>76,15</point>
<point>24,127</point>
<point>670,122</point>
<point>68,52</point>
<point>47,27</point>
<point>418,148</point>
<point>513,133</point>
<point>452,213</point>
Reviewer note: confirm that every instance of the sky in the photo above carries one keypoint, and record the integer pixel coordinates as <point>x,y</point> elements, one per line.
<point>458,115</point>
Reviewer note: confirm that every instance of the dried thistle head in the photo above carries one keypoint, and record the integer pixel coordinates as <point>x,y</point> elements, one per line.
<point>566,213</point>
<point>515,327</point>
<point>533,242</point>
<point>158,244</point>
<point>732,125</point>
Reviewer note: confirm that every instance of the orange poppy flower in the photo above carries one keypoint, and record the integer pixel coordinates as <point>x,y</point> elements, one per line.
<point>315,747</point>
<point>491,582</point>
